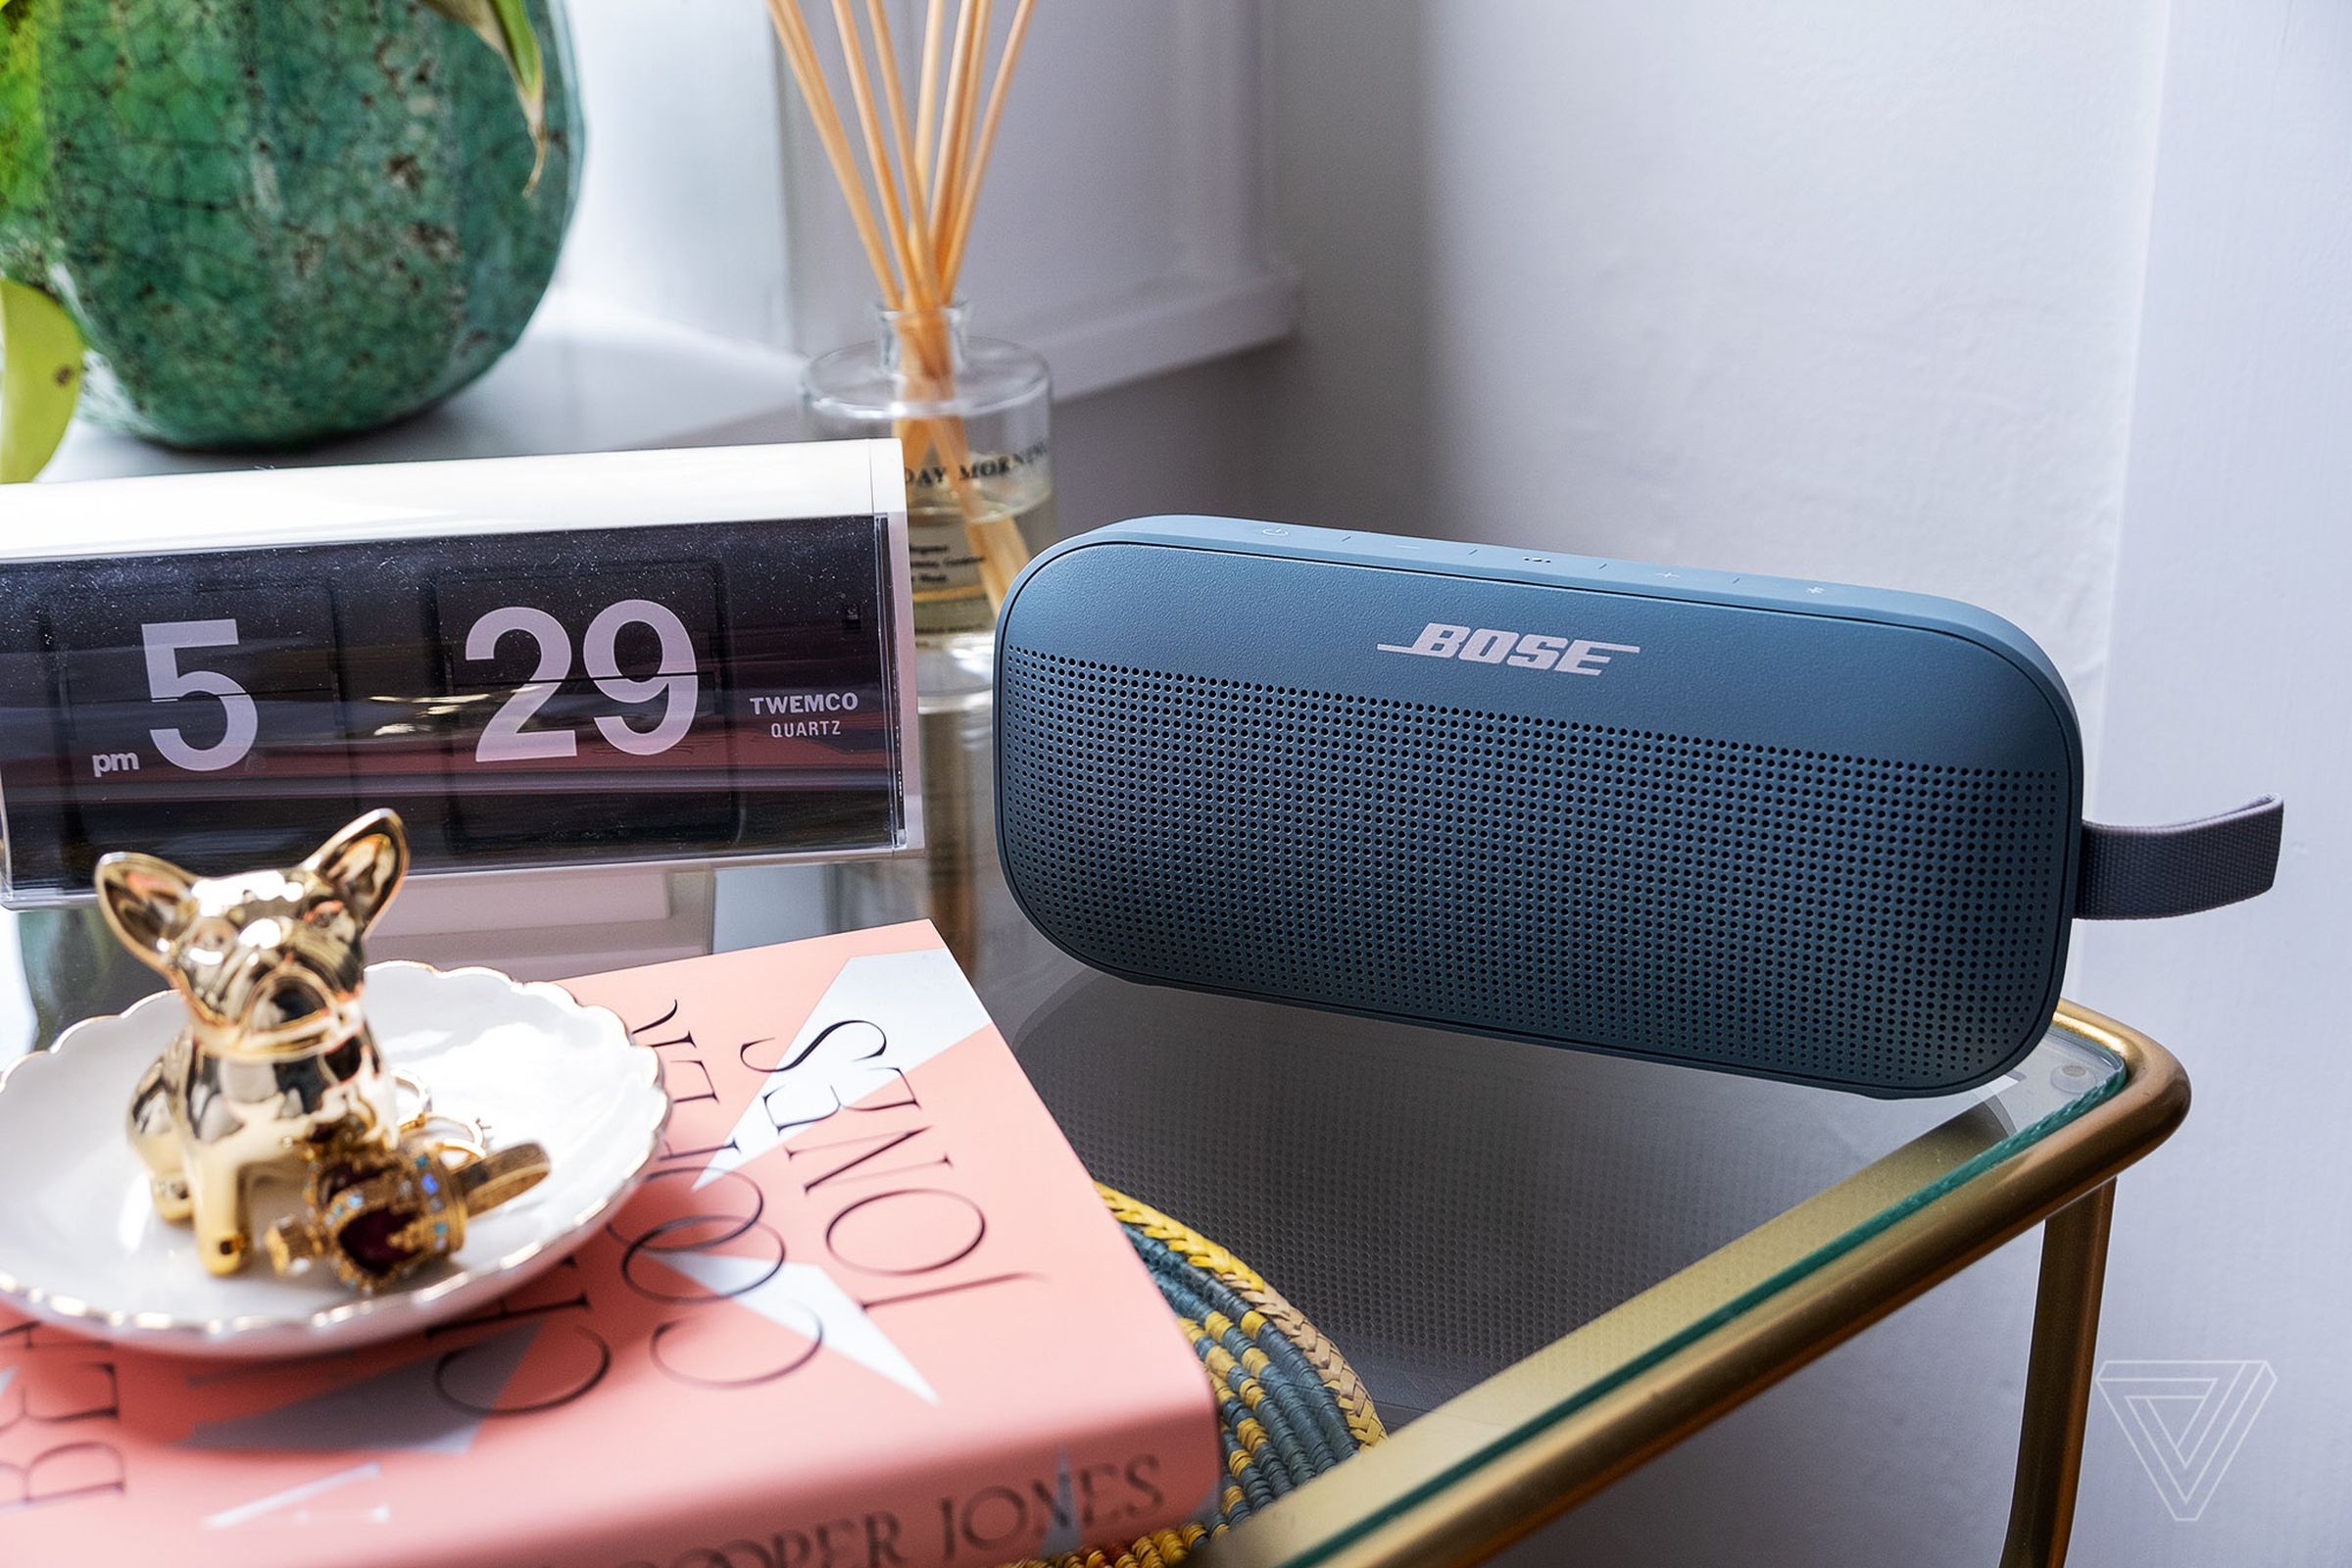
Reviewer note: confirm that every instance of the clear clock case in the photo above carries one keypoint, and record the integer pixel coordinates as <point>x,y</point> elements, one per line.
<point>540,663</point>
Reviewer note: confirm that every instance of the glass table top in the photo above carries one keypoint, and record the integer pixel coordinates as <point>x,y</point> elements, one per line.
<point>1442,1206</point>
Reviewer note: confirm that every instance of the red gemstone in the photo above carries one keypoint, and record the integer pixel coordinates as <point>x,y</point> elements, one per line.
<point>370,1241</point>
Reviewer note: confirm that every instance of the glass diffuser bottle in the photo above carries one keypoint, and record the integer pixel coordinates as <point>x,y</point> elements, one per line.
<point>972,416</point>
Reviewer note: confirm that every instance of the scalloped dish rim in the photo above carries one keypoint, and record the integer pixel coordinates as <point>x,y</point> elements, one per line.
<point>331,1325</point>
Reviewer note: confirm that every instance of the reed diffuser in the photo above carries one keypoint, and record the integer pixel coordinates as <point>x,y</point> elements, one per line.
<point>971,414</point>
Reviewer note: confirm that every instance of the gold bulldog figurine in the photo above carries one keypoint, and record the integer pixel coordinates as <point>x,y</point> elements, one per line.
<point>275,1061</point>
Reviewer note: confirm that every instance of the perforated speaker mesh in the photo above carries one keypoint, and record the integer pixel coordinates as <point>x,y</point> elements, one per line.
<point>1870,922</point>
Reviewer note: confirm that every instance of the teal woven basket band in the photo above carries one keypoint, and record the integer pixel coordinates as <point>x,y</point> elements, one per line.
<point>1289,1405</point>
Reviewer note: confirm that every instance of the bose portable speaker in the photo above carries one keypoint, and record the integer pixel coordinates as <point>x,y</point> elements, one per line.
<point>1792,829</point>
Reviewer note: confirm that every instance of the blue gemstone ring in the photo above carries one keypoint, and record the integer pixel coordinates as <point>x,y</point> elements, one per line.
<point>378,1215</point>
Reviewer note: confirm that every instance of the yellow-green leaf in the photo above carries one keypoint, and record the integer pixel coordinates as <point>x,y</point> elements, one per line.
<point>505,26</point>
<point>41,379</point>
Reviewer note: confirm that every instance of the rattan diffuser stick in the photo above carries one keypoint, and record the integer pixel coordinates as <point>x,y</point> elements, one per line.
<point>913,201</point>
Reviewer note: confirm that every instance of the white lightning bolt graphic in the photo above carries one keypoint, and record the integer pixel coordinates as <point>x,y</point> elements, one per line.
<point>904,1007</point>
<point>795,1294</point>
<point>246,1513</point>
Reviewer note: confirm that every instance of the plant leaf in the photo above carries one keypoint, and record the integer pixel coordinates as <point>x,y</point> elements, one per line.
<point>505,26</point>
<point>41,379</point>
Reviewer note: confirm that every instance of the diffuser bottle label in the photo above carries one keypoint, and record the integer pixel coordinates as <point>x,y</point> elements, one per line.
<point>949,513</point>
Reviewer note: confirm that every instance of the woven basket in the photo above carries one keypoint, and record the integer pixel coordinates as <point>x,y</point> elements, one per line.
<point>1289,1403</point>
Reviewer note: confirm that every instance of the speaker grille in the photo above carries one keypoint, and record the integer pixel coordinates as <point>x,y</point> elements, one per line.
<point>1872,923</point>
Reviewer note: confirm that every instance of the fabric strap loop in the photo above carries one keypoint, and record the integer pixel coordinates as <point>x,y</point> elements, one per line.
<point>2148,873</point>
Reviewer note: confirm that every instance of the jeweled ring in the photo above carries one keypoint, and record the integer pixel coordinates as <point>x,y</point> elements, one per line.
<point>378,1215</point>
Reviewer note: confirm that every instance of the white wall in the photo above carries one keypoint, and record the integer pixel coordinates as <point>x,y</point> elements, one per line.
<point>1857,292</point>
<point>1820,288</point>
<point>2233,665</point>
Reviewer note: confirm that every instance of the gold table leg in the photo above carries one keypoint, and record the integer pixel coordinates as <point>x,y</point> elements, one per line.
<point>2058,1376</point>
<point>1492,1464</point>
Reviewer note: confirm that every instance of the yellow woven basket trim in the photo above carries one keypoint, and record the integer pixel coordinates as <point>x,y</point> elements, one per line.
<point>1189,1244</point>
<point>1167,1548</point>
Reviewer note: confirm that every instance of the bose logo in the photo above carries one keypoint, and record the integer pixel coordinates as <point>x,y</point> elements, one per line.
<point>1527,650</point>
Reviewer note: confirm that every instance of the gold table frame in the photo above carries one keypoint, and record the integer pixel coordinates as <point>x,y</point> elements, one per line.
<point>1491,1465</point>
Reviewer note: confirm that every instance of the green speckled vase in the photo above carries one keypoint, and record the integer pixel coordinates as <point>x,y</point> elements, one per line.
<point>277,223</point>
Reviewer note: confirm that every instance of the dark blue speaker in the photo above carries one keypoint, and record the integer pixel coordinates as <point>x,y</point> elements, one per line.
<point>1800,830</point>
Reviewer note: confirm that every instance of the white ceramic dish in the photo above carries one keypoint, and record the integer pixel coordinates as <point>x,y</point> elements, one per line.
<point>80,1245</point>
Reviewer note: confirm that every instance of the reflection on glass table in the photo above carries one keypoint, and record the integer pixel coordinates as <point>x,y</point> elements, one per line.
<point>1546,1266</point>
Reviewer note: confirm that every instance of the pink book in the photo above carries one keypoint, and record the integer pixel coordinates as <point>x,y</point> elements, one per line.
<point>866,1312</point>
